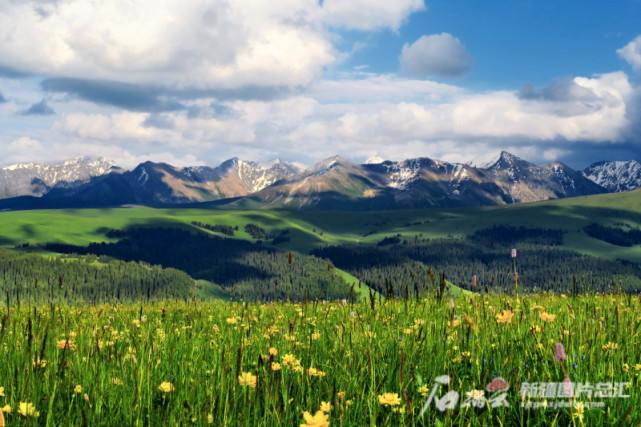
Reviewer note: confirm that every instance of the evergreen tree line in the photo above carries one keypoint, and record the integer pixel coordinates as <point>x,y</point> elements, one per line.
<point>414,263</point>
<point>613,235</point>
<point>227,230</point>
<point>244,269</point>
<point>36,278</point>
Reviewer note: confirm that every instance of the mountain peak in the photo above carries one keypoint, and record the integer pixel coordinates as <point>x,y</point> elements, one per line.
<point>615,175</point>
<point>498,160</point>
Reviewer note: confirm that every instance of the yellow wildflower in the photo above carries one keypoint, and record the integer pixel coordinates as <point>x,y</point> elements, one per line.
<point>273,351</point>
<point>390,399</point>
<point>247,379</point>
<point>1,391</point>
<point>66,343</point>
<point>166,387</point>
<point>317,420</point>
<point>276,366</point>
<point>637,367</point>
<point>325,407</point>
<point>313,372</point>
<point>579,408</point>
<point>505,317</point>
<point>210,419</point>
<point>6,409</point>
<point>77,389</point>
<point>424,391</point>
<point>341,395</point>
<point>611,346</point>
<point>27,409</point>
<point>547,317</point>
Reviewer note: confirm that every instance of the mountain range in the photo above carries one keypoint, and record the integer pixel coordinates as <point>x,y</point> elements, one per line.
<point>332,184</point>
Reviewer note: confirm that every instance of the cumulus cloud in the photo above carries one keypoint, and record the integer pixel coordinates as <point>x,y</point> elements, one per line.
<point>2,98</point>
<point>39,109</point>
<point>631,53</point>
<point>223,44</point>
<point>437,55</point>
<point>369,14</point>
<point>542,125</point>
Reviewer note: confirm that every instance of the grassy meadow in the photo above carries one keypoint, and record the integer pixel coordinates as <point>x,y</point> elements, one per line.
<point>311,230</point>
<point>318,363</point>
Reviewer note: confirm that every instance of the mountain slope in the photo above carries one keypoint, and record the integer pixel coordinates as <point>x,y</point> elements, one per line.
<point>523,181</point>
<point>615,176</point>
<point>159,183</point>
<point>31,179</point>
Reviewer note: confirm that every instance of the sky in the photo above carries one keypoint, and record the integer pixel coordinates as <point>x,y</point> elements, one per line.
<point>197,82</point>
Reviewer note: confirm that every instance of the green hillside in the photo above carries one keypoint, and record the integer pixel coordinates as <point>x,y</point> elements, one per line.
<point>310,230</point>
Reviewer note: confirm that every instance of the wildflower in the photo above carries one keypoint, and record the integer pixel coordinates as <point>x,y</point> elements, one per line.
<point>475,394</point>
<point>6,409</point>
<point>547,317</point>
<point>66,344</point>
<point>637,367</point>
<point>313,372</point>
<point>424,391</point>
<point>273,351</point>
<point>341,395</point>
<point>454,323</point>
<point>626,367</point>
<point>319,419</point>
<point>536,328</point>
<point>116,381</point>
<point>27,409</point>
<point>505,317</point>
<point>497,384</point>
<point>276,366</point>
<point>247,379</point>
<point>611,346</point>
<point>348,403</point>
<point>42,363</point>
<point>77,389</point>
<point>325,407</point>
<point>579,408</point>
<point>166,387</point>
<point>513,253</point>
<point>290,360</point>
<point>1,391</point>
<point>559,352</point>
<point>210,419</point>
<point>232,321</point>
<point>389,399</point>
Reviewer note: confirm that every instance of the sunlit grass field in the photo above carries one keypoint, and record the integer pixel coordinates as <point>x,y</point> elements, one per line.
<point>319,363</point>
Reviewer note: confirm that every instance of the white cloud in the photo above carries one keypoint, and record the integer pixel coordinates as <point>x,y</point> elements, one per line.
<point>301,127</point>
<point>441,55</point>
<point>369,14</point>
<point>196,43</point>
<point>632,53</point>
<point>209,44</point>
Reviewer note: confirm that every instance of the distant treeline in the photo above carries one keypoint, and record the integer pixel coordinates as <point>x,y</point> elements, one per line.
<point>540,266</point>
<point>224,229</point>
<point>615,236</point>
<point>37,278</point>
<point>244,269</point>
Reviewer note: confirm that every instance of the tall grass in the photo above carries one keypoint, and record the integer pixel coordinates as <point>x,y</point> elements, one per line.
<point>178,363</point>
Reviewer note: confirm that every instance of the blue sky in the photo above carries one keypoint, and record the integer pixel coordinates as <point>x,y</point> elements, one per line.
<point>199,82</point>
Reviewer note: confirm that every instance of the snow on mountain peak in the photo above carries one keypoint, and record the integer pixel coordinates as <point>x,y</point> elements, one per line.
<point>615,176</point>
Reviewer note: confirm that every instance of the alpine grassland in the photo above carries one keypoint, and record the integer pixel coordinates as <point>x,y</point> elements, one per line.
<point>502,360</point>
